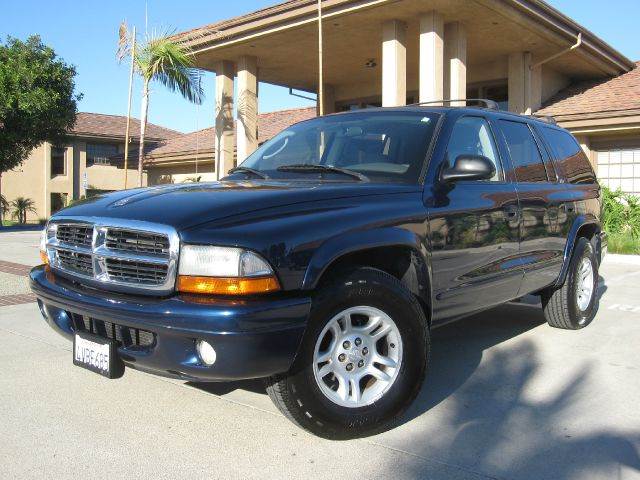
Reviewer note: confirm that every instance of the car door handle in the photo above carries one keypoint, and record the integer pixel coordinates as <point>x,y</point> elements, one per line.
<point>568,208</point>
<point>511,212</point>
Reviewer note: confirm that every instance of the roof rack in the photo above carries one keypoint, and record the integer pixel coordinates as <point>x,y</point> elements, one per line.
<point>490,104</point>
<point>546,119</point>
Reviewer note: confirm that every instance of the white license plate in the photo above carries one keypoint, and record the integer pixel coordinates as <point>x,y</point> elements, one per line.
<point>100,355</point>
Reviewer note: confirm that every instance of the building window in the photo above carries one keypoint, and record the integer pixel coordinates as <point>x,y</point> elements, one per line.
<point>58,161</point>
<point>100,153</point>
<point>58,202</point>
<point>620,168</point>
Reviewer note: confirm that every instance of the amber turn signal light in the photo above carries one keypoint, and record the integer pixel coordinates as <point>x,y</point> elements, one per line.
<point>227,286</point>
<point>44,258</point>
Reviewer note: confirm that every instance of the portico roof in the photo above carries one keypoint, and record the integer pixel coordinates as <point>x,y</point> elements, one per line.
<point>287,31</point>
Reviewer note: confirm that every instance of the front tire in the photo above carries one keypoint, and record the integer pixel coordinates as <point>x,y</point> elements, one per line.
<point>362,360</point>
<point>574,305</point>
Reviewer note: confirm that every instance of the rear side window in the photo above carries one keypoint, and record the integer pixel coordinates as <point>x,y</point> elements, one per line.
<point>523,149</point>
<point>570,159</point>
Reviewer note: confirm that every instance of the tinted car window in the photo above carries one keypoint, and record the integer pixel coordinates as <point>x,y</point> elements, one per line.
<point>570,159</point>
<point>386,147</point>
<point>472,136</point>
<point>526,158</point>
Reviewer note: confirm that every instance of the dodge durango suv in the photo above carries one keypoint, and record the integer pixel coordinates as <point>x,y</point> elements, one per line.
<point>323,261</point>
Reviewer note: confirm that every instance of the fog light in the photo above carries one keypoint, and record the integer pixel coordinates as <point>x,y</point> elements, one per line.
<point>206,352</point>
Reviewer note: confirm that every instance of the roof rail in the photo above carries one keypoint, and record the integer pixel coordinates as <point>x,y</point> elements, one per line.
<point>545,118</point>
<point>490,104</point>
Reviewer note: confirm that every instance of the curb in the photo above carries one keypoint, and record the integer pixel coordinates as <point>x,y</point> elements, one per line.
<point>617,259</point>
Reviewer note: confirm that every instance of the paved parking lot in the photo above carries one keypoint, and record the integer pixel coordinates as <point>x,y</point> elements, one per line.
<point>507,397</point>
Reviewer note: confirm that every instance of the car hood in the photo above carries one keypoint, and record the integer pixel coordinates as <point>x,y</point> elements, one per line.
<point>187,205</point>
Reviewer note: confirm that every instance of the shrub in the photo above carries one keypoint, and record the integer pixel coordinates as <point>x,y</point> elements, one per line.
<point>621,213</point>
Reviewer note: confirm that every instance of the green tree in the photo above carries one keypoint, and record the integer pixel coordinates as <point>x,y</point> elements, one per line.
<point>160,59</point>
<point>21,206</point>
<point>37,99</point>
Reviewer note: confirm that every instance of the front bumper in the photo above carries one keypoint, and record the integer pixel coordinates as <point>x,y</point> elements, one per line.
<point>253,338</point>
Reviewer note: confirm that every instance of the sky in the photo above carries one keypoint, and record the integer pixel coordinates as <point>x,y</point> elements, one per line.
<point>85,34</point>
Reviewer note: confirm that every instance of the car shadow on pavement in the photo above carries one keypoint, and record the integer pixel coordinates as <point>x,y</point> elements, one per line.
<point>497,418</point>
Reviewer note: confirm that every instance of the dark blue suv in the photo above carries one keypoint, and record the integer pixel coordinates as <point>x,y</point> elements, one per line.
<point>324,260</point>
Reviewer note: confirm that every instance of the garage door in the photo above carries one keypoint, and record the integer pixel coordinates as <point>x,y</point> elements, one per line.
<point>620,169</point>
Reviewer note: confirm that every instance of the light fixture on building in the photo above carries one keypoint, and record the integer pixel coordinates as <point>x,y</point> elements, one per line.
<point>371,63</point>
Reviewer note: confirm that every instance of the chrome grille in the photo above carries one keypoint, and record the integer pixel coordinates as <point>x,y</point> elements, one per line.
<point>75,262</point>
<point>120,255</point>
<point>136,272</point>
<point>75,234</point>
<point>135,241</point>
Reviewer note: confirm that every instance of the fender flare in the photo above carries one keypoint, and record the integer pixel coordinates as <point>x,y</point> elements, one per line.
<point>580,222</point>
<point>336,247</point>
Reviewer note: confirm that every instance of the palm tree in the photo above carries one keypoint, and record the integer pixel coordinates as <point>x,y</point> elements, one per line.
<point>4,206</point>
<point>162,59</point>
<point>21,206</point>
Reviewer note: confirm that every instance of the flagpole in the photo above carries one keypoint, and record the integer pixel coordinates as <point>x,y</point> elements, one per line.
<point>126,136</point>
<point>320,66</point>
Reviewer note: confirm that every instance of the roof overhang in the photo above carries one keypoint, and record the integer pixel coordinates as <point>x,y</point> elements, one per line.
<point>352,29</point>
<point>601,123</point>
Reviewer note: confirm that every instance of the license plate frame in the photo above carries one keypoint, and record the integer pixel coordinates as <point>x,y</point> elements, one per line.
<point>89,352</point>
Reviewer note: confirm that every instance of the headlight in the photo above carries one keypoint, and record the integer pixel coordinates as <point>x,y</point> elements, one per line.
<point>224,271</point>
<point>48,232</point>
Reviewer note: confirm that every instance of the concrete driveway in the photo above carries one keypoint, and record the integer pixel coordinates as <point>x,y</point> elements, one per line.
<point>507,397</point>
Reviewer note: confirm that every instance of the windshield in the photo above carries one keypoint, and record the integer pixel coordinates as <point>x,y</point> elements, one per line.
<point>381,146</point>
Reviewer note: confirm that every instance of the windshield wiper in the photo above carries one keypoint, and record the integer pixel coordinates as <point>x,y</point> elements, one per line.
<point>311,168</point>
<point>241,169</point>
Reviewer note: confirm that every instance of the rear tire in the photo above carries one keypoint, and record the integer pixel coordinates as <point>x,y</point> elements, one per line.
<point>309,400</point>
<point>574,305</point>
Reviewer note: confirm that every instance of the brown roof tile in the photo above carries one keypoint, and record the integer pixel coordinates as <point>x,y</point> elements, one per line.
<point>269,124</point>
<point>101,125</point>
<point>613,95</point>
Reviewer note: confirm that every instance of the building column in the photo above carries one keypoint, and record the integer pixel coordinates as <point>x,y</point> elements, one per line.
<point>224,118</point>
<point>455,60</point>
<point>394,64</point>
<point>431,57</point>
<point>525,84</point>
<point>247,127</point>
<point>585,144</point>
<point>329,100</point>
<point>47,179</point>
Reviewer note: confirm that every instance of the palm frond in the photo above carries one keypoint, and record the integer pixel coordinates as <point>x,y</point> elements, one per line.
<point>169,63</point>
<point>4,204</point>
<point>124,42</point>
<point>21,206</point>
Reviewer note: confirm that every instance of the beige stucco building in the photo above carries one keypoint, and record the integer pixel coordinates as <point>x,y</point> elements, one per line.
<point>54,175</point>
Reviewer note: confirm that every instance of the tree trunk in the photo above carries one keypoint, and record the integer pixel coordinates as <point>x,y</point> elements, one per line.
<point>144,107</point>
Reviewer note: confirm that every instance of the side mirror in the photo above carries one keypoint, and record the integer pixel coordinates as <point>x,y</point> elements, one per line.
<point>469,167</point>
